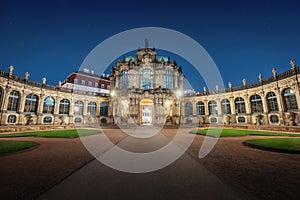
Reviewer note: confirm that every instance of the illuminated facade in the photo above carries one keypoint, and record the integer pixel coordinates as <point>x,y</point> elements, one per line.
<point>147,89</point>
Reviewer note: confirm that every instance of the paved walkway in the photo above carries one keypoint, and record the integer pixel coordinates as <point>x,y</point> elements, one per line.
<point>65,169</point>
<point>184,179</point>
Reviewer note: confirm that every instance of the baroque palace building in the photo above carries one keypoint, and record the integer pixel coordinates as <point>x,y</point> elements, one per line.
<point>147,89</point>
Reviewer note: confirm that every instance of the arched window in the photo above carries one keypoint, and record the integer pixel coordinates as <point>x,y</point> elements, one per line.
<point>124,79</point>
<point>272,102</point>
<point>188,109</point>
<point>64,107</point>
<point>92,107</point>
<point>239,105</point>
<point>256,104</point>
<point>146,79</point>
<point>13,102</point>
<point>102,86</point>
<point>212,108</point>
<point>31,103</point>
<point>225,105</point>
<point>289,98</point>
<point>78,108</point>
<point>200,108</point>
<point>104,109</point>
<point>168,79</point>
<point>48,105</point>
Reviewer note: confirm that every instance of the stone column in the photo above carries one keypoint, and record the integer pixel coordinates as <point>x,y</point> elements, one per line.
<point>84,114</point>
<point>280,106</point>
<point>71,111</point>
<point>56,110</point>
<point>232,106</point>
<point>5,100</point>
<point>265,107</point>
<point>219,108</point>
<point>21,119</point>
<point>40,109</point>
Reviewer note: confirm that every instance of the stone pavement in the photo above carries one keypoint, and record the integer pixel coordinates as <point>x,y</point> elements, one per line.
<point>186,178</point>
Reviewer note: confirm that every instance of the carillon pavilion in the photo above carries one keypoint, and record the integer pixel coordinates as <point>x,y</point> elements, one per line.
<point>147,89</point>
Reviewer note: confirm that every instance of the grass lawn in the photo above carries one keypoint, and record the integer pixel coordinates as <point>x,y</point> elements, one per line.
<point>8,146</point>
<point>283,144</point>
<point>53,133</point>
<point>213,132</point>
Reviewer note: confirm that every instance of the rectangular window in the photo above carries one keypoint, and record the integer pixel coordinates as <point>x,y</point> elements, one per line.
<point>90,84</point>
<point>75,81</point>
<point>82,82</point>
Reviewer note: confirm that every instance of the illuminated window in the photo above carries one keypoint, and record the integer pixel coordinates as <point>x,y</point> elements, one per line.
<point>188,109</point>
<point>48,105</point>
<point>92,107</point>
<point>31,103</point>
<point>256,104</point>
<point>104,109</point>
<point>146,79</point>
<point>225,105</point>
<point>124,79</point>
<point>13,102</point>
<point>212,108</point>
<point>200,108</point>
<point>289,98</point>
<point>240,105</point>
<point>64,106</point>
<point>78,108</point>
<point>272,102</point>
<point>168,80</point>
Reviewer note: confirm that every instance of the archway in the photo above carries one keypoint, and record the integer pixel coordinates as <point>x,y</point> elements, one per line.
<point>146,112</point>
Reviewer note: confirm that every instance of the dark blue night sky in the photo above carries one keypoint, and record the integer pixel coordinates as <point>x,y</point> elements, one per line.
<point>244,38</point>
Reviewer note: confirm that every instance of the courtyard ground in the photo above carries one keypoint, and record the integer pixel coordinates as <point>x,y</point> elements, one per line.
<point>230,170</point>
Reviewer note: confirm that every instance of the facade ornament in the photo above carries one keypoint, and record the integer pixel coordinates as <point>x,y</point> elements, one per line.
<point>260,77</point>
<point>204,89</point>
<point>217,88</point>
<point>11,69</point>
<point>230,86</point>
<point>274,71</point>
<point>59,83</point>
<point>293,64</point>
<point>26,75</point>
<point>44,80</point>
<point>244,82</point>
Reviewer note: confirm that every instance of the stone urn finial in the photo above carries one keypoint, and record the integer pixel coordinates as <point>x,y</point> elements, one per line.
<point>44,80</point>
<point>11,69</point>
<point>260,77</point>
<point>230,86</point>
<point>204,89</point>
<point>59,83</point>
<point>217,88</point>
<point>274,71</point>
<point>26,75</point>
<point>244,82</point>
<point>293,64</point>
